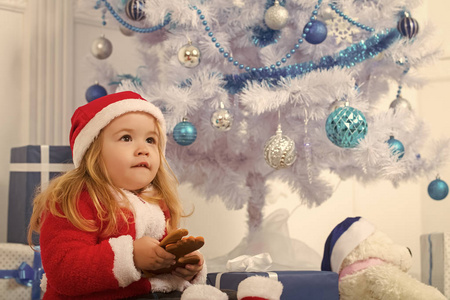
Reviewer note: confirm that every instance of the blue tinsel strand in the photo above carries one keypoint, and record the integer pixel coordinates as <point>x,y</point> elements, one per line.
<point>346,58</point>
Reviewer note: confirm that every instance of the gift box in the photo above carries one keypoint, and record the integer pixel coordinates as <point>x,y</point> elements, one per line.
<point>30,168</point>
<point>435,261</point>
<point>297,285</point>
<point>20,272</point>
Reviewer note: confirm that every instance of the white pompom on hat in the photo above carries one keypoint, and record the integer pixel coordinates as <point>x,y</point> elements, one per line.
<point>259,288</point>
<point>88,120</point>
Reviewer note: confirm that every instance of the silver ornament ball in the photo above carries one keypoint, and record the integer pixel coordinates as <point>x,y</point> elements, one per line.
<point>101,48</point>
<point>279,151</point>
<point>222,119</point>
<point>399,104</point>
<point>336,104</point>
<point>189,56</point>
<point>125,31</point>
<point>276,16</point>
<point>326,13</point>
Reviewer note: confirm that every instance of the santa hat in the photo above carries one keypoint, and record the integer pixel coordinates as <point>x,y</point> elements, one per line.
<point>345,237</point>
<point>89,119</point>
<point>259,288</point>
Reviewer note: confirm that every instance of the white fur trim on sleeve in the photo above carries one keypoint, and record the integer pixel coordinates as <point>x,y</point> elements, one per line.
<point>124,270</point>
<point>200,278</point>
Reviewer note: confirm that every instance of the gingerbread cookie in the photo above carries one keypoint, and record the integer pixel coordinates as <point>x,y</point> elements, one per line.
<point>173,237</point>
<point>177,245</point>
<point>185,246</point>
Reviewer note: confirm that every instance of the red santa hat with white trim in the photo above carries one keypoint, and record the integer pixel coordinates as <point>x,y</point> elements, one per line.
<point>88,120</point>
<point>259,288</point>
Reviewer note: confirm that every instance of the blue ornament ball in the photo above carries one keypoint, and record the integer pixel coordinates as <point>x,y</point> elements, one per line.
<point>95,91</point>
<point>438,189</point>
<point>396,147</point>
<point>346,126</point>
<point>317,32</point>
<point>184,133</point>
<point>408,27</point>
<point>134,10</point>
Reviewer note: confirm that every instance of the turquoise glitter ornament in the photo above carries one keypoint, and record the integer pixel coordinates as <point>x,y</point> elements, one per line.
<point>346,126</point>
<point>438,189</point>
<point>396,147</point>
<point>184,133</point>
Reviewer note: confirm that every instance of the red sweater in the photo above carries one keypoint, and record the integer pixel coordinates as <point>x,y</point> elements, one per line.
<point>82,265</point>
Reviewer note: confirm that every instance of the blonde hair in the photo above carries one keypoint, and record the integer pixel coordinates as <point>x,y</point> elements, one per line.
<point>61,196</point>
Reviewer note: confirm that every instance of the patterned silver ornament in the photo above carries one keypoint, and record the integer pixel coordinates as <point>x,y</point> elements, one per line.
<point>276,16</point>
<point>189,56</point>
<point>101,48</point>
<point>222,119</point>
<point>279,151</point>
<point>400,103</point>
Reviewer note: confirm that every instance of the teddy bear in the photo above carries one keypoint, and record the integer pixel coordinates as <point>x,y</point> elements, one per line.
<point>371,266</point>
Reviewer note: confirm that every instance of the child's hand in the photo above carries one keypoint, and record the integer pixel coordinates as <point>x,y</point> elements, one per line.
<point>189,271</point>
<point>148,255</point>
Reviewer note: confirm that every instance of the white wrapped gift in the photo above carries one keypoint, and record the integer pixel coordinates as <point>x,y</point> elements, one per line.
<point>20,271</point>
<point>435,261</point>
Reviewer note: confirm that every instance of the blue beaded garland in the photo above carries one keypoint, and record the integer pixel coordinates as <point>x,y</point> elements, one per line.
<point>396,147</point>
<point>346,126</point>
<point>184,133</point>
<point>316,33</point>
<point>134,9</point>
<point>94,92</point>
<point>408,27</point>
<point>438,189</point>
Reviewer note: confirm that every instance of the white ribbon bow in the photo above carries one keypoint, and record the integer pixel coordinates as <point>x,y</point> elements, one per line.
<point>248,263</point>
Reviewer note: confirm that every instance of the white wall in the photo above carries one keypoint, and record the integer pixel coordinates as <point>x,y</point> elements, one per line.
<point>434,106</point>
<point>11,74</point>
<point>403,213</point>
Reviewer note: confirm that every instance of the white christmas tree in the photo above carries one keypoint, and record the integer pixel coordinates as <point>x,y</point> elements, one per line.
<point>246,72</point>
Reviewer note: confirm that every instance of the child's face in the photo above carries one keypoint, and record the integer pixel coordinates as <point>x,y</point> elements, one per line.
<point>130,150</point>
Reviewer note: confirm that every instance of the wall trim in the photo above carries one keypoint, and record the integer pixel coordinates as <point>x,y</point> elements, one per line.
<point>13,5</point>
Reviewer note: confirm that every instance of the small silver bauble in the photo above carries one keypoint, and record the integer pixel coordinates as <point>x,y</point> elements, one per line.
<point>101,48</point>
<point>222,119</point>
<point>326,13</point>
<point>125,31</point>
<point>276,16</point>
<point>336,104</point>
<point>400,103</point>
<point>279,151</point>
<point>189,56</point>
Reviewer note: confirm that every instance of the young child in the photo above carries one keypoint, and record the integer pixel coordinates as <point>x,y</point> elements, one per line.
<point>100,224</point>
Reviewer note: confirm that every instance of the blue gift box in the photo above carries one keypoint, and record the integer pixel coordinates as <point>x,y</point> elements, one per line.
<point>297,285</point>
<point>30,168</point>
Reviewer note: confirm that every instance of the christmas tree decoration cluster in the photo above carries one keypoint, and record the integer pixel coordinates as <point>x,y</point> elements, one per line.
<point>229,75</point>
